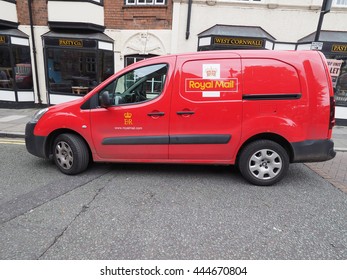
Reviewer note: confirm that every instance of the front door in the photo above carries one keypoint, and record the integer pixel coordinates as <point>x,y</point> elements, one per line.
<point>206,109</point>
<point>136,126</point>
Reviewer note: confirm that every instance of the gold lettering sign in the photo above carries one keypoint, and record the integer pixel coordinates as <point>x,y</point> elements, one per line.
<point>243,42</point>
<point>226,85</point>
<point>339,48</point>
<point>2,39</point>
<point>70,43</point>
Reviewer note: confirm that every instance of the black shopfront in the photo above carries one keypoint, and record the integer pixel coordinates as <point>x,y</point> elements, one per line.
<point>333,44</point>
<point>16,81</point>
<point>336,54</point>
<point>76,63</point>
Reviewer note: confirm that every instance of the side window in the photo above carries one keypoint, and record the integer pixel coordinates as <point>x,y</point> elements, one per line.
<point>139,85</point>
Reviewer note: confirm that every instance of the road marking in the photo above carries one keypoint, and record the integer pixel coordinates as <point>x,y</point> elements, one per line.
<point>12,118</point>
<point>12,141</point>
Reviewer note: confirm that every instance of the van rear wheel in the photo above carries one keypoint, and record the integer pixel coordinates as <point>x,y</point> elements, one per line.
<point>70,154</point>
<point>263,162</point>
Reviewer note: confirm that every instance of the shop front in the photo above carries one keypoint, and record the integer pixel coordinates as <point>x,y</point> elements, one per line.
<point>76,63</point>
<point>228,37</point>
<point>16,81</point>
<point>333,44</point>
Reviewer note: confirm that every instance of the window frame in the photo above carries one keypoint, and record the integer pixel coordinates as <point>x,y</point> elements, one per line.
<point>145,2</point>
<point>111,87</point>
<point>340,5</point>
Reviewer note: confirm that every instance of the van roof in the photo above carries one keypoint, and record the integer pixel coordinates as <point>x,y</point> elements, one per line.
<point>243,53</point>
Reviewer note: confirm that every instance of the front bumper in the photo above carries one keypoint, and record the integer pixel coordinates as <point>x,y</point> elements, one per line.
<point>34,144</point>
<point>313,150</point>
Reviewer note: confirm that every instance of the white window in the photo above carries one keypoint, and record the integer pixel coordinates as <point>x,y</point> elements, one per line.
<point>340,3</point>
<point>145,2</point>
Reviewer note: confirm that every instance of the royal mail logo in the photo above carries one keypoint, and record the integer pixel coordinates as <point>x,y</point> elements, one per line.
<point>128,118</point>
<point>128,115</point>
<point>226,85</point>
<point>211,72</point>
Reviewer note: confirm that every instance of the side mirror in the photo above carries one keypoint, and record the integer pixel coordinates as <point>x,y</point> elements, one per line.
<point>105,100</point>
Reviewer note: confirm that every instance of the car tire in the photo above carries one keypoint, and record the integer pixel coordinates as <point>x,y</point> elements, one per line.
<point>263,162</point>
<point>70,154</point>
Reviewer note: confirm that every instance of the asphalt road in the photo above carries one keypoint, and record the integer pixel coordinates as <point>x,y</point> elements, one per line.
<point>134,211</point>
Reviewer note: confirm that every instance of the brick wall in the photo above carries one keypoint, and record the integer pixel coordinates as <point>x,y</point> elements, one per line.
<point>117,15</point>
<point>120,16</point>
<point>39,8</point>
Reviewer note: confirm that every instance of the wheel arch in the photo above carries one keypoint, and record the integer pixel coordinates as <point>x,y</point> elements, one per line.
<point>272,137</point>
<point>54,134</point>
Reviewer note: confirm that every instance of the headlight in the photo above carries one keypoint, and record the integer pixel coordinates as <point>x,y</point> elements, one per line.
<point>38,115</point>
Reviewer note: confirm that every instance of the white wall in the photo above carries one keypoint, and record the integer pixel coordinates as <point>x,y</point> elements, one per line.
<point>85,12</point>
<point>39,31</point>
<point>8,11</point>
<point>128,42</point>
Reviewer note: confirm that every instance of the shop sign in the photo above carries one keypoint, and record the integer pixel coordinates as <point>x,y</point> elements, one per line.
<point>339,48</point>
<point>70,43</point>
<point>239,42</point>
<point>317,46</point>
<point>334,69</point>
<point>2,39</point>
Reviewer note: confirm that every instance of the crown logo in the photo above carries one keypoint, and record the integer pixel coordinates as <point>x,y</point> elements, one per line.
<point>128,115</point>
<point>211,72</point>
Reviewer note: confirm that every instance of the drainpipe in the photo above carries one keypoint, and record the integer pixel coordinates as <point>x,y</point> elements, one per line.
<point>326,6</point>
<point>34,50</point>
<point>190,2</point>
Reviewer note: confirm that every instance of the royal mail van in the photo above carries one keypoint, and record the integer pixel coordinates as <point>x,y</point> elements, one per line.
<point>260,110</point>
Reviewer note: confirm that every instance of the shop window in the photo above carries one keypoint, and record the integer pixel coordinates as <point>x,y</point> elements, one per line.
<point>139,85</point>
<point>130,59</point>
<point>106,62</point>
<point>15,68</point>
<point>77,71</point>
<point>22,67</point>
<point>338,71</point>
<point>6,73</point>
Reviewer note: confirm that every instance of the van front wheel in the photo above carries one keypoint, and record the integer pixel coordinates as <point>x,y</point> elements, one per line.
<point>70,154</point>
<point>263,162</point>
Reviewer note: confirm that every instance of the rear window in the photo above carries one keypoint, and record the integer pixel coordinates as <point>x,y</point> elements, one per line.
<point>262,76</point>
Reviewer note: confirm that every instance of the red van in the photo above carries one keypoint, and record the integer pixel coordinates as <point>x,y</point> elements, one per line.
<point>260,110</point>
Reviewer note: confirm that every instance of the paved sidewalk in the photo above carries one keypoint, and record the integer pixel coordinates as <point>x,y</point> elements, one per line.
<point>13,121</point>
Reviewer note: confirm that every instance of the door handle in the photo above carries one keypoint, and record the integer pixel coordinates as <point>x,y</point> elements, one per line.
<point>156,114</point>
<point>185,112</point>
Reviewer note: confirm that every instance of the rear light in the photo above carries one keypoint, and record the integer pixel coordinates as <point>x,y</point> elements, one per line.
<point>332,112</point>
